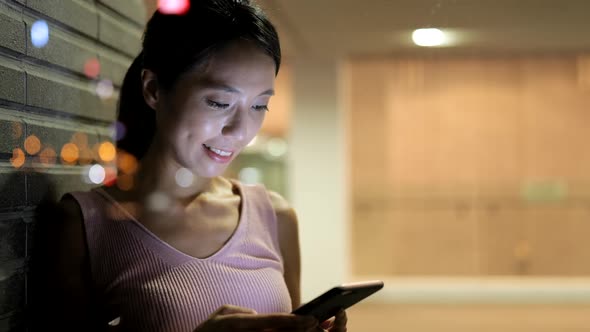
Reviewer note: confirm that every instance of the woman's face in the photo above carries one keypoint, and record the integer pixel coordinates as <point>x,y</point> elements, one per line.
<point>212,113</point>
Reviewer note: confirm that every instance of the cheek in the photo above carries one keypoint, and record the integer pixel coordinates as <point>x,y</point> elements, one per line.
<point>201,126</point>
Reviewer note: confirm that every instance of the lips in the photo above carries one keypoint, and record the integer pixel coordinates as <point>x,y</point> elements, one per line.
<point>219,151</point>
<point>218,155</point>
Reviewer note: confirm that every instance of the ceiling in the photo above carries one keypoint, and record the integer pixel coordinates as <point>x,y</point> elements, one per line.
<point>380,27</point>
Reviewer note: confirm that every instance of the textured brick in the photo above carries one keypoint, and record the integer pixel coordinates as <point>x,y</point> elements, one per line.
<point>77,97</point>
<point>133,9</point>
<point>53,186</point>
<point>12,287</point>
<point>64,49</point>
<point>12,239</point>
<point>121,35</point>
<point>13,322</point>
<point>13,81</point>
<point>12,187</point>
<point>13,133</point>
<point>79,15</point>
<point>13,29</point>
<point>113,66</point>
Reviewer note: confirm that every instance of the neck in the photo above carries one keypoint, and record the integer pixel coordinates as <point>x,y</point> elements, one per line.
<point>156,174</point>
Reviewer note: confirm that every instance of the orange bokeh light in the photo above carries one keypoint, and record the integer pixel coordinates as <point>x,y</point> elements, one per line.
<point>32,145</point>
<point>48,156</point>
<point>17,130</point>
<point>18,158</point>
<point>70,153</point>
<point>125,182</point>
<point>80,139</point>
<point>126,162</point>
<point>107,151</point>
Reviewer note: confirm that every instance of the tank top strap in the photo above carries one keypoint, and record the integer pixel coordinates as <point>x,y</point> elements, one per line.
<point>261,215</point>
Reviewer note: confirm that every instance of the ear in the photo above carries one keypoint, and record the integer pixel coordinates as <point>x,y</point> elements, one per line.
<point>149,85</point>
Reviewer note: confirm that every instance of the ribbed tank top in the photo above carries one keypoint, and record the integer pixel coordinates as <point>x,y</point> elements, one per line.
<point>152,286</point>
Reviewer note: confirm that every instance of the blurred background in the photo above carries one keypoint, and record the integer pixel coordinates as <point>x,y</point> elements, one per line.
<point>449,162</point>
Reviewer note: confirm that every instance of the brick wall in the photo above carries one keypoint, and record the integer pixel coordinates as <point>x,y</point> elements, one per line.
<point>47,100</point>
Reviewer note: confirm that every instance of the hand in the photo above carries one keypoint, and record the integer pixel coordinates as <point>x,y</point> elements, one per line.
<point>335,324</point>
<point>232,318</point>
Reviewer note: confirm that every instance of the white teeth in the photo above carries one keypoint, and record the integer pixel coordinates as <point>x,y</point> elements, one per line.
<point>219,152</point>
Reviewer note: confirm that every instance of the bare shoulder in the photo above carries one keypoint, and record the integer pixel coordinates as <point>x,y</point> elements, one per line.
<point>288,233</point>
<point>286,216</point>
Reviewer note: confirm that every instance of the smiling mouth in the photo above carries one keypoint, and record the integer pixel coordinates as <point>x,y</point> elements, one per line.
<point>218,151</point>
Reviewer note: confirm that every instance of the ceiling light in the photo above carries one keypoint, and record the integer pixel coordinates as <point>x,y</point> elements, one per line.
<point>428,37</point>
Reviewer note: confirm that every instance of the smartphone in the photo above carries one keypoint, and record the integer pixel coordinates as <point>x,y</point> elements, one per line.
<point>340,297</point>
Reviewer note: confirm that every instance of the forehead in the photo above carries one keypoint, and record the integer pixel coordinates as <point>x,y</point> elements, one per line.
<point>240,64</point>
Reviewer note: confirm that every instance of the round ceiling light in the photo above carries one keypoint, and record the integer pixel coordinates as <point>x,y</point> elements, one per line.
<point>428,37</point>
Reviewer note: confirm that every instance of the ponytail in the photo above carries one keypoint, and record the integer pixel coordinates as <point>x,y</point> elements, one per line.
<point>137,117</point>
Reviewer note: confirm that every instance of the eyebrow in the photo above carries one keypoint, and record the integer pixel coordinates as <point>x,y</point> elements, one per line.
<point>227,88</point>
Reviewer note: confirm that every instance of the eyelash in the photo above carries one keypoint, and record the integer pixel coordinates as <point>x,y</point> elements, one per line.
<point>221,106</point>
<point>261,108</point>
<point>217,105</point>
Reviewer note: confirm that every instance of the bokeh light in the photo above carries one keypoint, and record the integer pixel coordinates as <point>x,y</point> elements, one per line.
<point>48,156</point>
<point>86,156</point>
<point>17,130</point>
<point>184,178</point>
<point>92,68</point>
<point>158,201</point>
<point>118,131</point>
<point>125,182</point>
<point>173,7</point>
<point>250,175</point>
<point>39,33</point>
<point>18,158</point>
<point>105,89</point>
<point>96,174</point>
<point>32,145</point>
<point>110,176</point>
<point>126,162</point>
<point>70,153</point>
<point>276,147</point>
<point>80,139</point>
<point>107,151</point>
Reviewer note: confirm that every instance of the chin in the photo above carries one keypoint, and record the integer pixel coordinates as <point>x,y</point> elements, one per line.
<point>210,172</point>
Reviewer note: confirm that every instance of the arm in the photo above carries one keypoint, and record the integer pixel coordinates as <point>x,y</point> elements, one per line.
<point>288,232</point>
<point>288,229</point>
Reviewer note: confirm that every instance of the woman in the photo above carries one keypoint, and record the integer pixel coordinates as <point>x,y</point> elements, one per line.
<point>204,253</point>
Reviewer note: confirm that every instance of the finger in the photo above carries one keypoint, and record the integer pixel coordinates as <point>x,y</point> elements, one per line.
<point>326,325</point>
<point>273,321</point>
<point>340,322</point>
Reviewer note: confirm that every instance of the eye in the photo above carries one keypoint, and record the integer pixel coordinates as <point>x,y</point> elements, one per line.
<point>217,105</point>
<point>260,108</point>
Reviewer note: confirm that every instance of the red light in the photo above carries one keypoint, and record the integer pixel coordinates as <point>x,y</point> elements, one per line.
<point>92,68</point>
<point>173,7</point>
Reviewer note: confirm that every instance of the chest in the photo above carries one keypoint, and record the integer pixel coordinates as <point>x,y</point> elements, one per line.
<point>200,230</point>
<point>180,299</point>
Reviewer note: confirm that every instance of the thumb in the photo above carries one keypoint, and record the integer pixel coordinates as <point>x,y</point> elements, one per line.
<point>229,309</point>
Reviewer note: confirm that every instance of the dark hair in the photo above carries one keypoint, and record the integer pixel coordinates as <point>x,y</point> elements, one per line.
<point>175,44</point>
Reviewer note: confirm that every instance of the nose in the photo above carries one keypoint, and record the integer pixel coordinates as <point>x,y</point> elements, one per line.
<point>236,125</point>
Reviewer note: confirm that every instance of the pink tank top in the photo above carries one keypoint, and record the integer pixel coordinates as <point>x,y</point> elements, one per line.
<point>152,286</point>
